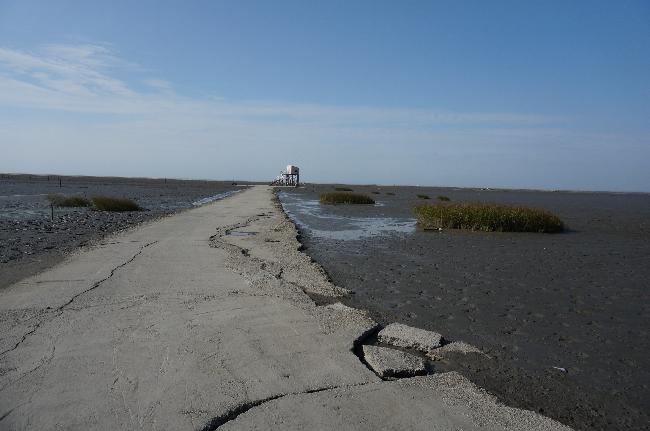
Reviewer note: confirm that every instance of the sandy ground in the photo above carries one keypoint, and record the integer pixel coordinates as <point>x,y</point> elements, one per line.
<point>203,320</point>
<point>31,241</point>
<point>536,303</point>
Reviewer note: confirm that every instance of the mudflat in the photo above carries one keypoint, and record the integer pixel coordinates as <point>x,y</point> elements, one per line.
<point>563,317</point>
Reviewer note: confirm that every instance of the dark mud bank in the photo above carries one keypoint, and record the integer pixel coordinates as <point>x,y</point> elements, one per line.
<point>563,317</point>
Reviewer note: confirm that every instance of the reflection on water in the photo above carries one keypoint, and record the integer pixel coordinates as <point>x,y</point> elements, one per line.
<point>321,222</point>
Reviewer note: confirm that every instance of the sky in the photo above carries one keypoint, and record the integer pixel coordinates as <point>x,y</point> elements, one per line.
<point>544,95</point>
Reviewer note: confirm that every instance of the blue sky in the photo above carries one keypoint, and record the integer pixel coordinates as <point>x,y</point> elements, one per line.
<point>545,94</point>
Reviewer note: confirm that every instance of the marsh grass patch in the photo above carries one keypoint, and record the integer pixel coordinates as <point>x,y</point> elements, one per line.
<point>107,203</point>
<point>343,189</point>
<point>345,198</point>
<point>68,201</point>
<point>423,197</point>
<point>486,217</point>
<point>443,198</point>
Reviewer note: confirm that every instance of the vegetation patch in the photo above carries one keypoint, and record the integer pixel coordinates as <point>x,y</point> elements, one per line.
<point>374,192</point>
<point>68,201</point>
<point>390,193</point>
<point>443,198</point>
<point>342,189</point>
<point>107,203</point>
<point>486,217</point>
<point>424,197</point>
<point>345,198</point>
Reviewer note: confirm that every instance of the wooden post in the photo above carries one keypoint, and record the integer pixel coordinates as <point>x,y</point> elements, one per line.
<point>52,211</point>
<point>59,182</point>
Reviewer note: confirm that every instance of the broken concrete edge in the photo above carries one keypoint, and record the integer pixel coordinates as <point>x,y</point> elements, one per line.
<point>390,363</point>
<point>297,235</point>
<point>234,412</point>
<point>409,337</point>
<point>364,335</point>
<point>450,391</point>
<point>328,300</point>
<point>434,352</point>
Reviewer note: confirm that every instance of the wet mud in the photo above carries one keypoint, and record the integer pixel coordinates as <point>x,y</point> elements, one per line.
<point>562,318</point>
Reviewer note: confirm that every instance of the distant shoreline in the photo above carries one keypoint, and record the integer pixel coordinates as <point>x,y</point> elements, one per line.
<point>252,182</point>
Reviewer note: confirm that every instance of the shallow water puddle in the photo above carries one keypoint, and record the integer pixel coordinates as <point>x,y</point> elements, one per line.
<point>321,222</point>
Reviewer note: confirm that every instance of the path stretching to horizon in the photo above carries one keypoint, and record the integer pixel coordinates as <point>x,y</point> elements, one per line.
<point>202,320</point>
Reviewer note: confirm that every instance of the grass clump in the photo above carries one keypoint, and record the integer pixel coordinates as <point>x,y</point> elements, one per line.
<point>107,203</point>
<point>443,198</point>
<point>390,193</point>
<point>68,201</point>
<point>375,192</point>
<point>423,196</point>
<point>345,198</point>
<point>486,217</point>
<point>342,189</point>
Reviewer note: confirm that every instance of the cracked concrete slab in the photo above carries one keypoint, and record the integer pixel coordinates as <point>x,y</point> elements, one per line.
<point>392,363</point>
<point>178,325</point>
<point>437,402</point>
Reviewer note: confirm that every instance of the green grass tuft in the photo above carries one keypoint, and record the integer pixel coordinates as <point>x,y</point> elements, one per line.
<point>424,197</point>
<point>107,203</point>
<point>375,192</point>
<point>486,217</point>
<point>443,198</point>
<point>342,189</point>
<point>68,201</point>
<point>390,193</point>
<point>345,198</point>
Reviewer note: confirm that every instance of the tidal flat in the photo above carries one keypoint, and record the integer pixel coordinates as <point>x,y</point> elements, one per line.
<point>32,240</point>
<point>563,318</point>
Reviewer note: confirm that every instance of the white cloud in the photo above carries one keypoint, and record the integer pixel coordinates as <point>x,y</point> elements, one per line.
<point>77,78</point>
<point>82,118</point>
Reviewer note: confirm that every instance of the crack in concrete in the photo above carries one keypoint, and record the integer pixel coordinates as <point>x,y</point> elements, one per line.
<point>357,346</point>
<point>59,310</point>
<point>232,414</point>
<point>217,241</point>
<point>27,373</point>
<point>267,267</point>
<point>7,413</point>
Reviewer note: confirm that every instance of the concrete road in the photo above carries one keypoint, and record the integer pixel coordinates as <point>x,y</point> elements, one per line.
<point>202,320</point>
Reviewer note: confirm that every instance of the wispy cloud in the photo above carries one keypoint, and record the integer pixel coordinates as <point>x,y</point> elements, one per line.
<point>83,117</point>
<point>78,78</point>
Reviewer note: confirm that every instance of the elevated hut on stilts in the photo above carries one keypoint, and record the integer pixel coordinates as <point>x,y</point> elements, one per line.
<point>289,177</point>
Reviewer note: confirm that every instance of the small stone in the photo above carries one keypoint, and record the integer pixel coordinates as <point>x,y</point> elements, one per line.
<point>408,337</point>
<point>392,363</point>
